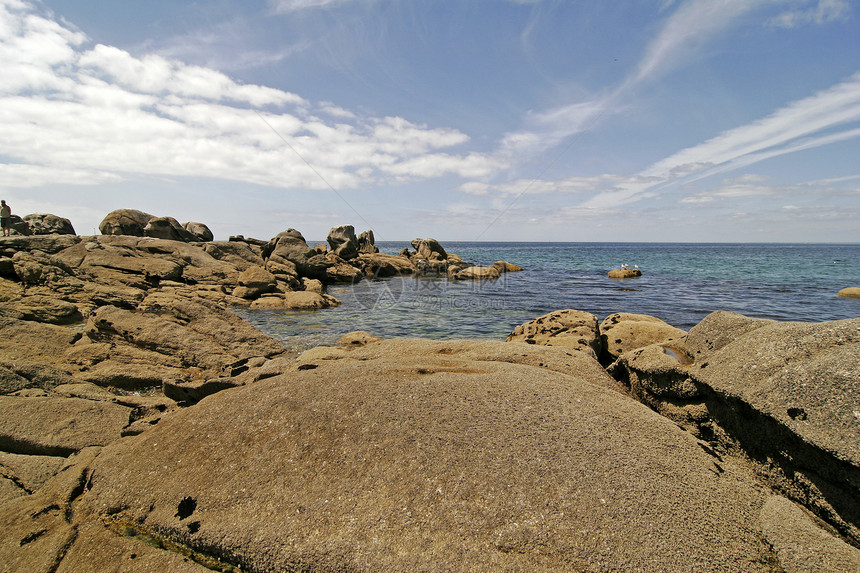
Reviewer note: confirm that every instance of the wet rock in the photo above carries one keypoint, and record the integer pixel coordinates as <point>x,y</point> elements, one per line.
<point>505,267</point>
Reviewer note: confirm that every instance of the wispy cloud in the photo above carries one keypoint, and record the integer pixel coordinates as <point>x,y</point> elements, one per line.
<point>682,36</point>
<point>824,118</point>
<point>79,114</point>
<point>823,12</point>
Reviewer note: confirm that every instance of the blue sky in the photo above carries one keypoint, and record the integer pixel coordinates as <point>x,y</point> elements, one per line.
<point>524,120</point>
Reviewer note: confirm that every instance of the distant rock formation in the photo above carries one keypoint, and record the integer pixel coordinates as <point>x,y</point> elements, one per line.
<point>136,223</point>
<point>851,292</point>
<point>624,273</point>
<point>47,224</point>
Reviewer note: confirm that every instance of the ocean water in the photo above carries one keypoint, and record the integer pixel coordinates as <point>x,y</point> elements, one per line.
<point>681,283</point>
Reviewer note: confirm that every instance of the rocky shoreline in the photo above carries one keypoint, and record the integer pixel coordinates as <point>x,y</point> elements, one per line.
<point>144,425</point>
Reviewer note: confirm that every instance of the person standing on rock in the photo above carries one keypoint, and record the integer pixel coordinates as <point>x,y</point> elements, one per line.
<point>5,218</point>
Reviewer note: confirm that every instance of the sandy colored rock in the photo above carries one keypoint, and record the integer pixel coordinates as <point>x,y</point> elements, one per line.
<point>48,224</point>
<point>382,265</point>
<point>26,341</point>
<point>505,267</point>
<point>477,273</point>
<point>379,462</point>
<point>298,300</point>
<point>124,222</point>
<point>622,332</point>
<point>39,308</point>
<point>624,273</point>
<point>239,254</point>
<point>851,292</point>
<point>58,426</point>
<point>800,544</point>
<point>29,473</point>
<point>573,329</point>
<point>782,394</point>
<point>19,374</point>
<point>35,535</point>
<point>357,338</point>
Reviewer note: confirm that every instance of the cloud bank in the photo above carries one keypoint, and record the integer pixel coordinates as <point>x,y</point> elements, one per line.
<point>80,114</point>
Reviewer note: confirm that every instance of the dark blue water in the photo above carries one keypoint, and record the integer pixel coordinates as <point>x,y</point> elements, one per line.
<point>680,283</point>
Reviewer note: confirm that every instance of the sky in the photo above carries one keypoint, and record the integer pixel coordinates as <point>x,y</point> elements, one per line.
<point>474,120</point>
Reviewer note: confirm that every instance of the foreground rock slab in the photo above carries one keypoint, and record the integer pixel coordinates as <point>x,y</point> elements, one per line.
<point>433,456</point>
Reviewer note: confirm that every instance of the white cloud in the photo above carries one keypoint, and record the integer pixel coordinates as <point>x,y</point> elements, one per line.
<point>687,29</point>
<point>825,11</point>
<point>286,6</point>
<point>73,114</point>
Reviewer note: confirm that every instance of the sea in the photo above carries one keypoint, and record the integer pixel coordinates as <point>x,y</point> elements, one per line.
<point>681,283</point>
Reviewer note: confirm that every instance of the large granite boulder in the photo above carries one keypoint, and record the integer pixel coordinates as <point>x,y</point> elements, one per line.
<point>784,393</point>
<point>850,292</point>
<point>367,242</point>
<point>476,273</point>
<point>125,222</point>
<point>624,273</point>
<point>167,228</point>
<point>255,281</point>
<point>199,231</point>
<point>47,224</point>
<point>291,247</point>
<point>343,242</point>
<point>432,456</point>
<point>623,331</point>
<point>382,265</point>
<point>429,249</point>
<point>572,329</point>
<point>239,254</point>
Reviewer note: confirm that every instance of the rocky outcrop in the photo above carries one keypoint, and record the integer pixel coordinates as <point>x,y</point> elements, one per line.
<point>47,224</point>
<point>624,273</point>
<point>125,222</point>
<point>139,224</point>
<point>783,394</point>
<point>367,243</point>
<point>572,329</point>
<point>199,231</point>
<point>448,467</point>
<point>851,292</point>
<point>167,228</point>
<point>343,242</point>
<point>429,249</point>
<point>624,332</point>
<point>477,273</point>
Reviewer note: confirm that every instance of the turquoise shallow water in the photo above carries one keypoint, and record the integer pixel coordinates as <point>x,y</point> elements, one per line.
<point>681,284</point>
